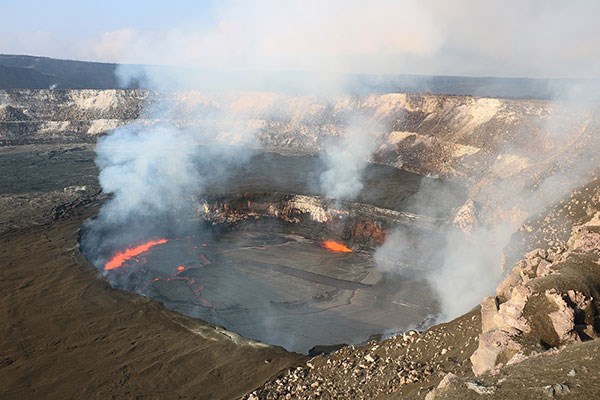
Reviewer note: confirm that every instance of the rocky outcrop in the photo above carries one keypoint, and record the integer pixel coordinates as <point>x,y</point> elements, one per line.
<point>495,347</point>
<point>548,300</point>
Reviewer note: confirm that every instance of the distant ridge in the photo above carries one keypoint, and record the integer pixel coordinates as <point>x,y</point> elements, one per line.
<point>18,78</point>
<point>31,72</point>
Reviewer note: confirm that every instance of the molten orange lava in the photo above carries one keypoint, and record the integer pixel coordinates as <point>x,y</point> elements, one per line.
<point>122,256</point>
<point>336,247</point>
<point>180,268</point>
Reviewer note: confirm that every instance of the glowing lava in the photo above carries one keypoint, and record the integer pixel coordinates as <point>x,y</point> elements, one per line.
<point>180,268</point>
<point>336,247</point>
<point>119,259</point>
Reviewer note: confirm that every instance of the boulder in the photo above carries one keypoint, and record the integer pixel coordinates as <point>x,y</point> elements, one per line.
<point>495,348</point>
<point>489,309</point>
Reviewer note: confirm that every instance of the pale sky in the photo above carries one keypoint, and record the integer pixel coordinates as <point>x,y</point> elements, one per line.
<point>532,38</point>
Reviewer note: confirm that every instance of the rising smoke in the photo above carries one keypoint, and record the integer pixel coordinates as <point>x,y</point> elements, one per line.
<point>151,172</point>
<point>154,173</point>
<point>346,158</point>
<point>469,251</point>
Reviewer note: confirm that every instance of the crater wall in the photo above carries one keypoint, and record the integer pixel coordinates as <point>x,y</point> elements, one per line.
<point>459,137</point>
<point>496,148</point>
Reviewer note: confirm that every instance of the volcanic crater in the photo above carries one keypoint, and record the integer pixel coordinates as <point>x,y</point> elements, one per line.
<point>247,253</point>
<point>263,255</point>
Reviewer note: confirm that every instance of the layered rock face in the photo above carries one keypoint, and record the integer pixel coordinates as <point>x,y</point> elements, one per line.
<point>46,116</point>
<point>492,146</point>
<point>449,136</point>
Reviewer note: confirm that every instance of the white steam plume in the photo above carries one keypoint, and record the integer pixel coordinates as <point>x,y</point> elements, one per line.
<point>346,159</point>
<point>328,38</point>
<point>469,262</point>
<point>149,170</point>
<point>154,173</point>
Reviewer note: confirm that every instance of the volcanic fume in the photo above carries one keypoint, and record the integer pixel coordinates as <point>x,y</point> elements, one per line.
<point>212,226</point>
<point>247,211</point>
